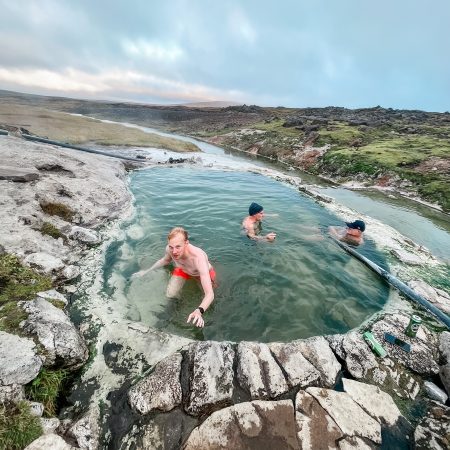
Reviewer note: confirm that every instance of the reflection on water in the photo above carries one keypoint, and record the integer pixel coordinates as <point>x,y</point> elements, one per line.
<point>301,285</point>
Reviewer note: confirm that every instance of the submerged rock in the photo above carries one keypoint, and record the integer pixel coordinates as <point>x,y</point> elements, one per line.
<point>210,376</point>
<point>57,334</point>
<point>161,389</point>
<point>19,362</point>
<point>85,236</point>
<point>438,297</point>
<point>257,424</point>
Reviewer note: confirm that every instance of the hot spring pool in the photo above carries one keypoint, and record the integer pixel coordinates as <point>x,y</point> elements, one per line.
<point>301,285</point>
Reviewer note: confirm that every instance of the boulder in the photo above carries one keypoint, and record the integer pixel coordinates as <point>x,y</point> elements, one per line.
<point>17,174</point>
<point>44,262</point>
<point>62,342</point>
<point>36,408</point>
<point>373,400</point>
<point>444,369</point>
<point>19,362</point>
<point>85,236</point>
<point>161,390</point>
<point>258,372</point>
<point>257,424</point>
<point>347,414</point>
<point>50,425</point>
<point>70,272</point>
<point>52,294</point>
<point>11,393</point>
<point>354,443</point>
<point>49,441</point>
<point>433,431</point>
<point>299,371</point>
<point>315,427</point>
<point>210,376</point>
<point>437,297</point>
<point>86,431</point>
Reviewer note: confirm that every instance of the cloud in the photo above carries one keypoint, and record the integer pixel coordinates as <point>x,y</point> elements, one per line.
<point>141,48</point>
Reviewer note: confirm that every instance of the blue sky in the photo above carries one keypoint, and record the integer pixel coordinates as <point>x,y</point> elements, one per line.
<point>352,53</point>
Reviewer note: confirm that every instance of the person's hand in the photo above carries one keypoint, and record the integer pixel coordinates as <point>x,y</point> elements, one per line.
<point>139,274</point>
<point>271,236</point>
<point>197,318</point>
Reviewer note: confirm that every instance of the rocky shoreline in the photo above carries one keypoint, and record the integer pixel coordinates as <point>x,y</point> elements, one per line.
<point>163,391</point>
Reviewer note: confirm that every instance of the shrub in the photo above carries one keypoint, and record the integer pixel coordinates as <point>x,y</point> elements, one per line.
<point>18,282</point>
<point>18,427</point>
<point>45,388</point>
<point>50,230</point>
<point>57,209</point>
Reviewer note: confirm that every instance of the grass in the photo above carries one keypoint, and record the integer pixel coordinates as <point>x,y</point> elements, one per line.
<point>10,317</point>
<point>45,388</point>
<point>50,230</point>
<point>79,130</point>
<point>18,427</point>
<point>18,282</point>
<point>57,209</point>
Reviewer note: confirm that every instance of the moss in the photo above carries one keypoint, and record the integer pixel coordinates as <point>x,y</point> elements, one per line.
<point>46,388</point>
<point>57,303</point>
<point>18,427</point>
<point>50,230</point>
<point>10,317</point>
<point>57,209</point>
<point>18,282</point>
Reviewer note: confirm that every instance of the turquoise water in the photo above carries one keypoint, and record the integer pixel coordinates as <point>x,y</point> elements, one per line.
<point>301,285</point>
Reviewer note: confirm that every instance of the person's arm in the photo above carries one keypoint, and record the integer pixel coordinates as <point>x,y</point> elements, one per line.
<point>160,263</point>
<point>205,280</point>
<point>337,232</point>
<point>250,230</point>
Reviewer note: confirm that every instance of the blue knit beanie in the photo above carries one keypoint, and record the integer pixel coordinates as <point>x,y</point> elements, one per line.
<point>254,209</point>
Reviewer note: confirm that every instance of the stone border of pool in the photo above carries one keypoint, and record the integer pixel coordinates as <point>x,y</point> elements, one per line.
<point>220,394</point>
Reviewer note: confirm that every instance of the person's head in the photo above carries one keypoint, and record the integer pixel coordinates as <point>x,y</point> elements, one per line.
<point>256,211</point>
<point>356,225</point>
<point>177,240</point>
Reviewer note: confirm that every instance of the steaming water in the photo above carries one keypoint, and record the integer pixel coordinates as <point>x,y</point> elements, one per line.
<point>301,285</point>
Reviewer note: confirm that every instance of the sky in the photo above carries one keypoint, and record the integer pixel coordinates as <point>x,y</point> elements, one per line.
<point>293,53</point>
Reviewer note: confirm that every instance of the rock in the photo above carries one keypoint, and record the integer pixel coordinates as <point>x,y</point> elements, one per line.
<point>444,369</point>
<point>315,428</point>
<point>44,262</point>
<point>50,425</point>
<point>18,174</point>
<point>257,424</point>
<point>300,372</point>
<point>258,373</point>
<point>11,393</point>
<point>161,389</point>
<point>70,272</point>
<point>438,297</point>
<point>86,430</point>
<point>85,236</point>
<point>53,295</point>
<point>318,352</point>
<point>54,330</point>
<point>407,257</point>
<point>348,415</point>
<point>434,392</point>
<point>433,431</point>
<point>36,408</point>
<point>210,376</point>
<point>356,353</point>
<point>354,443</point>
<point>373,400</point>
<point>19,362</point>
<point>49,441</point>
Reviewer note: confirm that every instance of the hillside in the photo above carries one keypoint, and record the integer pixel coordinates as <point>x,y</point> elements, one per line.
<point>403,150</point>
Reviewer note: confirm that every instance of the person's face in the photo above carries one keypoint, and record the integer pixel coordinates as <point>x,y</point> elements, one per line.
<point>177,246</point>
<point>260,215</point>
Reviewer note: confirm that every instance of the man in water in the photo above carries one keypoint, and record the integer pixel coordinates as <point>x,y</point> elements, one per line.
<point>352,234</point>
<point>252,224</point>
<point>189,262</point>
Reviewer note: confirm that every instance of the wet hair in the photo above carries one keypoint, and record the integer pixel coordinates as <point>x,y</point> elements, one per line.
<point>177,230</point>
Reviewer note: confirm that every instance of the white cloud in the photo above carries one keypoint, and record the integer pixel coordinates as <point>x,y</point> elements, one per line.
<point>241,26</point>
<point>109,82</point>
<point>142,48</point>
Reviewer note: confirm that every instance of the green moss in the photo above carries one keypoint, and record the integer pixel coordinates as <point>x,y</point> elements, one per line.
<point>10,317</point>
<point>45,388</point>
<point>57,303</point>
<point>50,230</point>
<point>58,209</point>
<point>18,282</point>
<point>18,427</point>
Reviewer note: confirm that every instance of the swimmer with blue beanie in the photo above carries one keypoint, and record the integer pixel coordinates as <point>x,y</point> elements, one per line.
<point>252,224</point>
